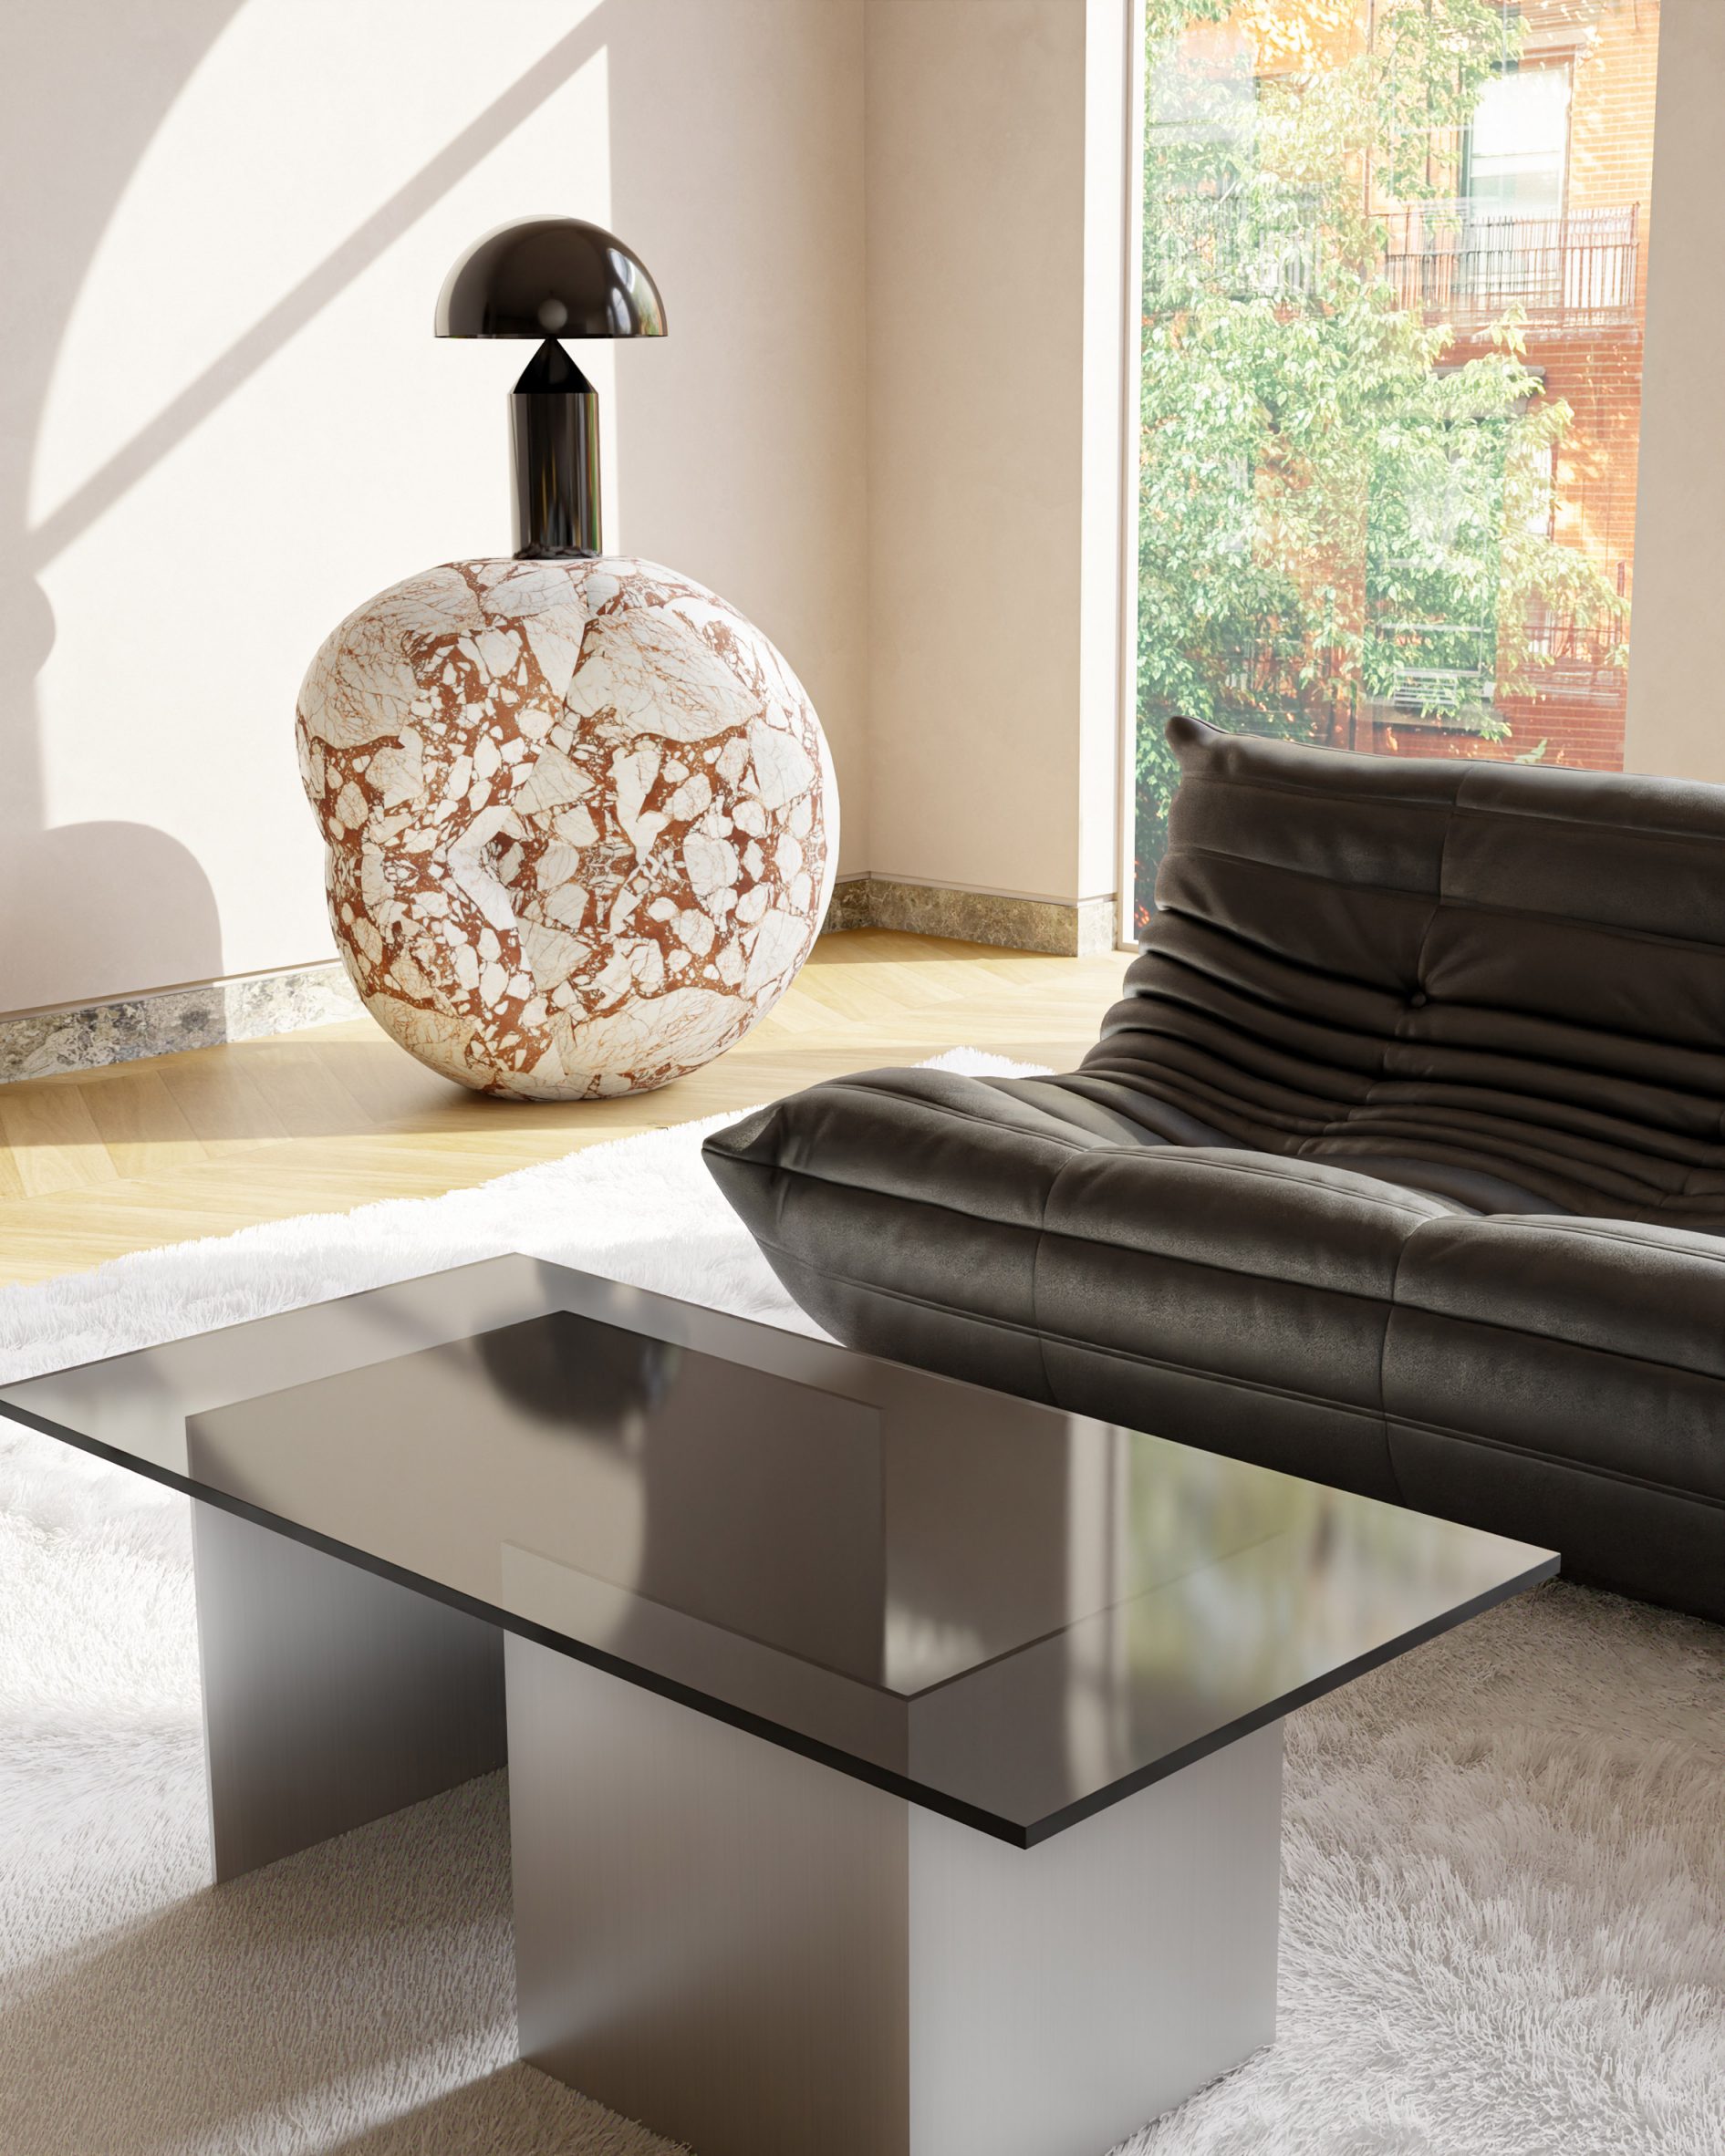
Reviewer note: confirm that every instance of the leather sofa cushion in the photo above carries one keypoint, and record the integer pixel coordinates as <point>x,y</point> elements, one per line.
<point>988,1228</point>
<point>1284,1310</point>
<point>1563,1382</point>
<point>911,1201</point>
<point>1595,1341</point>
<point>1240,1301</point>
<point>1499,983</point>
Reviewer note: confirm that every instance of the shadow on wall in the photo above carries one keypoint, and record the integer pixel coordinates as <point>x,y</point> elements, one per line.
<point>71,134</point>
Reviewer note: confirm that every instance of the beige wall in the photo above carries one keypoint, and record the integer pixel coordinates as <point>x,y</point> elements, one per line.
<point>887,422</point>
<point>225,420</point>
<point>1674,722</point>
<point>994,627</point>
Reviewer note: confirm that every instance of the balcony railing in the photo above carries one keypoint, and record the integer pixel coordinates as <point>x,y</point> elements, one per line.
<point>1579,662</point>
<point>1255,245</point>
<point>1467,264</point>
<point>1439,676</point>
<point>1453,261</point>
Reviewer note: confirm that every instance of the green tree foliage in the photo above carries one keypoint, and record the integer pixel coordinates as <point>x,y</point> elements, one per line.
<point>1331,508</point>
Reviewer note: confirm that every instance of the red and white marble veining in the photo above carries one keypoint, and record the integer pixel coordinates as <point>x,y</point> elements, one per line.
<point>580,816</point>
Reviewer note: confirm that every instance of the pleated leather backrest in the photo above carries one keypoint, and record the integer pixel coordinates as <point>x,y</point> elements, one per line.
<point>1499,982</point>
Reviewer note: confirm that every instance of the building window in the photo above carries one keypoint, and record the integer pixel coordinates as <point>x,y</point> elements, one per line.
<point>1515,153</point>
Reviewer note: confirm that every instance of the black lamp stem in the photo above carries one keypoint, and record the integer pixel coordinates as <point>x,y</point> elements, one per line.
<point>554,424</point>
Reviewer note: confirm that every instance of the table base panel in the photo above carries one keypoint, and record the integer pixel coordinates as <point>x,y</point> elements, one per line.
<point>758,1956</point>
<point>330,1695</point>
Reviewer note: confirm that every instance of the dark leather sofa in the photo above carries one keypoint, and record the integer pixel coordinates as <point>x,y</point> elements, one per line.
<point>1401,1166</point>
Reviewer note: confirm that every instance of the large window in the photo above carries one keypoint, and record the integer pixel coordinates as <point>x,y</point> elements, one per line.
<point>1392,281</point>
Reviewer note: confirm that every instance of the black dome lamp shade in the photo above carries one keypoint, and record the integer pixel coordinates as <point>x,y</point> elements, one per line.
<point>546,278</point>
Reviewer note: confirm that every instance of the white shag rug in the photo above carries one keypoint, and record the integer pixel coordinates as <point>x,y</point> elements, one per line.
<point>1503,1859</point>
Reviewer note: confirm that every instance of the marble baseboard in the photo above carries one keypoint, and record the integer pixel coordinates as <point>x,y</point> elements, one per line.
<point>848,905</point>
<point>974,916</point>
<point>40,1044</point>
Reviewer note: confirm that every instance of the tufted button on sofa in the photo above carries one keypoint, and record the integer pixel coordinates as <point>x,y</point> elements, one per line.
<point>1401,1164</point>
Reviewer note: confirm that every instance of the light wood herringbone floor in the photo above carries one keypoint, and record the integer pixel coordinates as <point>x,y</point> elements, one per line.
<point>98,1163</point>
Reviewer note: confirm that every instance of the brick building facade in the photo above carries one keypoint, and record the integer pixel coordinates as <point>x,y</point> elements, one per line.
<point>1365,563</point>
<point>1581,267</point>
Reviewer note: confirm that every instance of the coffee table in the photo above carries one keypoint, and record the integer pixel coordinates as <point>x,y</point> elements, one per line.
<point>895,1765</point>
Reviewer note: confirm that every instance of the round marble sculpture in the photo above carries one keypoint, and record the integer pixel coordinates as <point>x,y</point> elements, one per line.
<point>580,817</point>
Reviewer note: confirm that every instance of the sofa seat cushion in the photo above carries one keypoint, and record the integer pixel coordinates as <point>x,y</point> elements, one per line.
<point>1557,1379</point>
<point>1229,1299</point>
<point>1022,1235</point>
<point>1523,1350</point>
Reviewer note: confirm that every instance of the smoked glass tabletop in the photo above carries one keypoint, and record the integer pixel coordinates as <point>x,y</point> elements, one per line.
<point>1009,1613</point>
